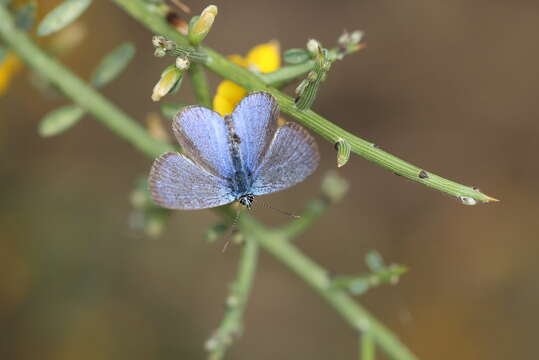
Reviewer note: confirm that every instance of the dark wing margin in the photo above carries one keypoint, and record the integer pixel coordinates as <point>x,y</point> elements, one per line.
<point>175,182</point>
<point>292,156</point>
<point>203,136</point>
<point>255,123</point>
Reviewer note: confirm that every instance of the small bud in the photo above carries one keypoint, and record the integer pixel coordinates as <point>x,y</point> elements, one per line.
<point>467,200</point>
<point>201,26</point>
<point>169,83</point>
<point>344,39</point>
<point>232,300</point>
<point>159,52</point>
<point>158,40</point>
<point>356,36</point>
<point>313,46</point>
<point>182,63</point>
<point>334,187</point>
<point>343,152</point>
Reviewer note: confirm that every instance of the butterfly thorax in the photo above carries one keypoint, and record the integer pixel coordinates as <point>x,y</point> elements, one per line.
<point>242,176</point>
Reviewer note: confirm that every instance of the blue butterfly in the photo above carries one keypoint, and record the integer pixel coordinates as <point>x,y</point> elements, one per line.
<point>232,159</point>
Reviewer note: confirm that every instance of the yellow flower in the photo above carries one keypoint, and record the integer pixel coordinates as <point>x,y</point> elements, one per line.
<point>9,67</point>
<point>262,58</point>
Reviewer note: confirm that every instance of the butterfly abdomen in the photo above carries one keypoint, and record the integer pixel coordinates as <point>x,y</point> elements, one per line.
<point>242,176</point>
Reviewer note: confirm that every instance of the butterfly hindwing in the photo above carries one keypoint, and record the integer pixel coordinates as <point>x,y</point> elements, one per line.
<point>177,183</point>
<point>290,158</point>
<point>255,123</point>
<point>203,136</point>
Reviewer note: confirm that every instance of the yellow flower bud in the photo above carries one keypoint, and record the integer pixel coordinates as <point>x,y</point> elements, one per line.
<point>170,82</point>
<point>200,27</point>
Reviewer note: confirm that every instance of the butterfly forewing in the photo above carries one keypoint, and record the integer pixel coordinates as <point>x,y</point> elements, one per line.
<point>203,136</point>
<point>290,158</point>
<point>255,122</point>
<point>177,183</point>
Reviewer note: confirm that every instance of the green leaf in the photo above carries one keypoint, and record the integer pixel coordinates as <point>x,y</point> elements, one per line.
<point>25,16</point>
<point>60,120</point>
<point>169,110</point>
<point>296,56</point>
<point>112,65</point>
<point>374,261</point>
<point>62,15</point>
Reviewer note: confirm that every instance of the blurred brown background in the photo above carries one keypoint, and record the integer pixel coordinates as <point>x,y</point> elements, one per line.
<point>451,86</point>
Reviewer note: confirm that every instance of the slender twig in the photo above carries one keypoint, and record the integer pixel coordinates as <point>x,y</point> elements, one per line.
<point>284,75</point>
<point>200,85</point>
<point>314,275</point>
<point>232,326</point>
<point>367,349</point>
<point>77,90</point>
<point>127,128</point>
<point>331,132</point>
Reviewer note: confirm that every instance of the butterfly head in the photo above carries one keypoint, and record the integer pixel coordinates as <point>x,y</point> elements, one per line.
<point>247,200</point>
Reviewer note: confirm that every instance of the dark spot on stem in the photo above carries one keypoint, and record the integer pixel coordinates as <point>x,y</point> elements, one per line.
<point>423,174</point>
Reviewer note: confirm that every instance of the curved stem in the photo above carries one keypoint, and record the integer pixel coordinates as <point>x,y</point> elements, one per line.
<point>367,348</point>
<point>314,275</point>
<point>331,132</point>
<point>231,326</point>
<point>77,90</point>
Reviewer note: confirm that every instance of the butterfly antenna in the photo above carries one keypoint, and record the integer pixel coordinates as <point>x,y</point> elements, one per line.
<point>266,205</point>
<point>231,230</point>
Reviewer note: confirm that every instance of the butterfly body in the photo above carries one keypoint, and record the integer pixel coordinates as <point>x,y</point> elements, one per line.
<point>234,158</point>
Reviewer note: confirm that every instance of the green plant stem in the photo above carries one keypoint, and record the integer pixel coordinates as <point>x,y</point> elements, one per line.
<point>232,326</point>
<point>126,128</point>
<point>200,85</point>
<point>286,74</point>
<point>314,275</point>
<point>331,132</point>
<point>77,90</point>
<point>367,348</point>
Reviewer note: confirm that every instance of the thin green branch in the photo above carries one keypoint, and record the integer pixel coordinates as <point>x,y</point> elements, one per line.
<point>286,74</point>
<point>367,349</point>
<point>314,275</point>
<point>232,324</point>
<point>200,85</point>
<point>128,129</point>
<point>331,132</point>
<point>77,90</point>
